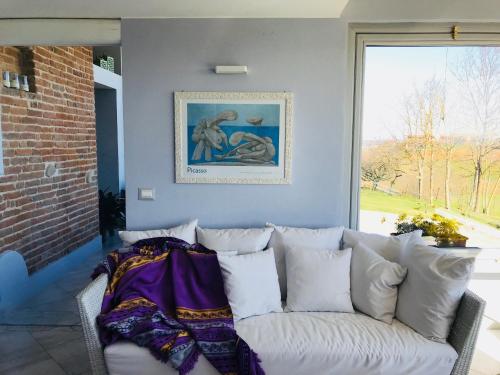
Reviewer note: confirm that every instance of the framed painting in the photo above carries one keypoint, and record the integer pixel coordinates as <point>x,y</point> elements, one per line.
<point>233,137</point>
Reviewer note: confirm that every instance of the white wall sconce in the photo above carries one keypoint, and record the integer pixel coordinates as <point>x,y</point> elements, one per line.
<point>231,69</point>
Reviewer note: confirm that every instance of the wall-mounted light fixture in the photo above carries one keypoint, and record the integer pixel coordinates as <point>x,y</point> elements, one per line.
<point>6,78</point>
<point>231,69</point>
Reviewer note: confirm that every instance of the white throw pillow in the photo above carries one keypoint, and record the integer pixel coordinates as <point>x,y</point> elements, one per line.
<point>243,241</point>
<point>186,232</point>
<point>226,253</point>
<point>318,280</point>
<point>390,247</point>
<point>285,237</point>
<point>431,292</point>
<point>374,283</point>
<point>251,283</point>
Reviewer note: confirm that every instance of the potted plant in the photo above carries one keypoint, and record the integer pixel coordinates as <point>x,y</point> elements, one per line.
<point>436,230</point>
<point>407,224</point>
<point>446,232</point>
<point>111,212</point>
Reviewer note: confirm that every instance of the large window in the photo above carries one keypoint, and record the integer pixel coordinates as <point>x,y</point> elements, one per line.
<point>430,142</point>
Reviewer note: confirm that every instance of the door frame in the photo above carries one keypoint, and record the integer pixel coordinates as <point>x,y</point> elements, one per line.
<point>362,36</point>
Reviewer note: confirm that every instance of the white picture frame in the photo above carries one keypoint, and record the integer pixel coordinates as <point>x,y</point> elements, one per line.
<point>233,137</point>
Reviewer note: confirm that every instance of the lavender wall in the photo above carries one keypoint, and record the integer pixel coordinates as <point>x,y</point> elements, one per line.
<point>307,57</point>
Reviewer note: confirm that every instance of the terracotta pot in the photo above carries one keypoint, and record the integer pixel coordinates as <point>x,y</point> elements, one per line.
<point>447,242</point>
<point>460,243</point>
<point>443,242</point>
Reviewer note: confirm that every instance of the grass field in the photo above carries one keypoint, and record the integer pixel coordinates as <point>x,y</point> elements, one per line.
<point>379,201</point>
<point>374,200</point>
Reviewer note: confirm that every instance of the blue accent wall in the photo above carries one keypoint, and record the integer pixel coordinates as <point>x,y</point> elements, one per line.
<point>306,57</point>
<point>17,286</point>
<point>107,140</point>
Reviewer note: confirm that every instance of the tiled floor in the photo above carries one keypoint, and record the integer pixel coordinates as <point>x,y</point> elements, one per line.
<point>45,337</point>
<point>42,350</point>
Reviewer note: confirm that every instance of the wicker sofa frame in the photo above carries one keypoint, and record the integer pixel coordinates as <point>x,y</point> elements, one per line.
<point>463,334</point>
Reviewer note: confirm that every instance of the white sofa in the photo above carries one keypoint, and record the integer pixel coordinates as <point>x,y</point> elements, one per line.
<point>307,343</point>
<point>300,343</point>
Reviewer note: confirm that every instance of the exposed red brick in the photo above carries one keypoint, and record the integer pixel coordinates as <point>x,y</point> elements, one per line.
<point>46,218</point>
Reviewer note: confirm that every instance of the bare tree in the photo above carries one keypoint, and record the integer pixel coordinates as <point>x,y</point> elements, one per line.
<point>448,144</point>
<point>375,172</point>
<point>422,113</point>
<point>383,164</point>
<point>492,177</point>
<point>490,196</point>
<point>478,72</point>
<point>415,146</point>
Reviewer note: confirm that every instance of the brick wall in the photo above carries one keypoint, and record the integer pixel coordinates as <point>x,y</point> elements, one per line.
<point>42,217</point>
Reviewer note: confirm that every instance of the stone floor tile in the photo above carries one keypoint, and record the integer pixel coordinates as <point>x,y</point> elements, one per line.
<point>19,349</point>
<point>57,336</point>
<point>33,317</point>
<point>39,367</point>
<point>71,356</point>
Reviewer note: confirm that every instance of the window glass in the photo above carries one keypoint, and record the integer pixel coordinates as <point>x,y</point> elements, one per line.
<point>431,143</point>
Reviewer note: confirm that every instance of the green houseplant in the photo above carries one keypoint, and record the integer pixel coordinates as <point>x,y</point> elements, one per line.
<point>111,212</point>
<point>444,230</point>
<point>407,224</point>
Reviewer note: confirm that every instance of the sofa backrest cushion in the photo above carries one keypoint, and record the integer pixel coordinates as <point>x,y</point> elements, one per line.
<point>251,283</point>
<point>374,283</point>
<point>186,232</point>
<point>389,247</point>
<point>285,237</point>
<point>318,280</point>
<point>431,292</point>
<point>243,241</point>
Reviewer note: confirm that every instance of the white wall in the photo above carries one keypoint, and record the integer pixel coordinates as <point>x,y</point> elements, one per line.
<point>422,10</point>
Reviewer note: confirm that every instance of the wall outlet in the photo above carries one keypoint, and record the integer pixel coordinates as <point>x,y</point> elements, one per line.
<point>146,194</point>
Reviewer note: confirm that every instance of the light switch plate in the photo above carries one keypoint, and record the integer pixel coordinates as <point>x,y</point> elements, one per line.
<point>146,194</point>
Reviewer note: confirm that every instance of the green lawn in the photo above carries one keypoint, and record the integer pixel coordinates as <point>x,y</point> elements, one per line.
<point>374,200</point>
<point>379,201</point>
<point>493,220</point>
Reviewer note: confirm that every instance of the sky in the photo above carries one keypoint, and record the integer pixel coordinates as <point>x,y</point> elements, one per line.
<point>391,73</point>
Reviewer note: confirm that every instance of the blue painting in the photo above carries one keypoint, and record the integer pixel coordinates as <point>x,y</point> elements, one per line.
<point>233,134</point>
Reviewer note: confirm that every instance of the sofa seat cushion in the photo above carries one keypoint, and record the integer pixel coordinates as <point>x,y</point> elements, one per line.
<point>303,343</point>
<point>126,358</point>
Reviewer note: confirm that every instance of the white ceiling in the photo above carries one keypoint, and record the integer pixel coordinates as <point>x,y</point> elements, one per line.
<point>172,8</point>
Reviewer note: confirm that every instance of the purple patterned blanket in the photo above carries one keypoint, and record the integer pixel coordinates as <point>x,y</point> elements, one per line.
<point>168,296</point>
